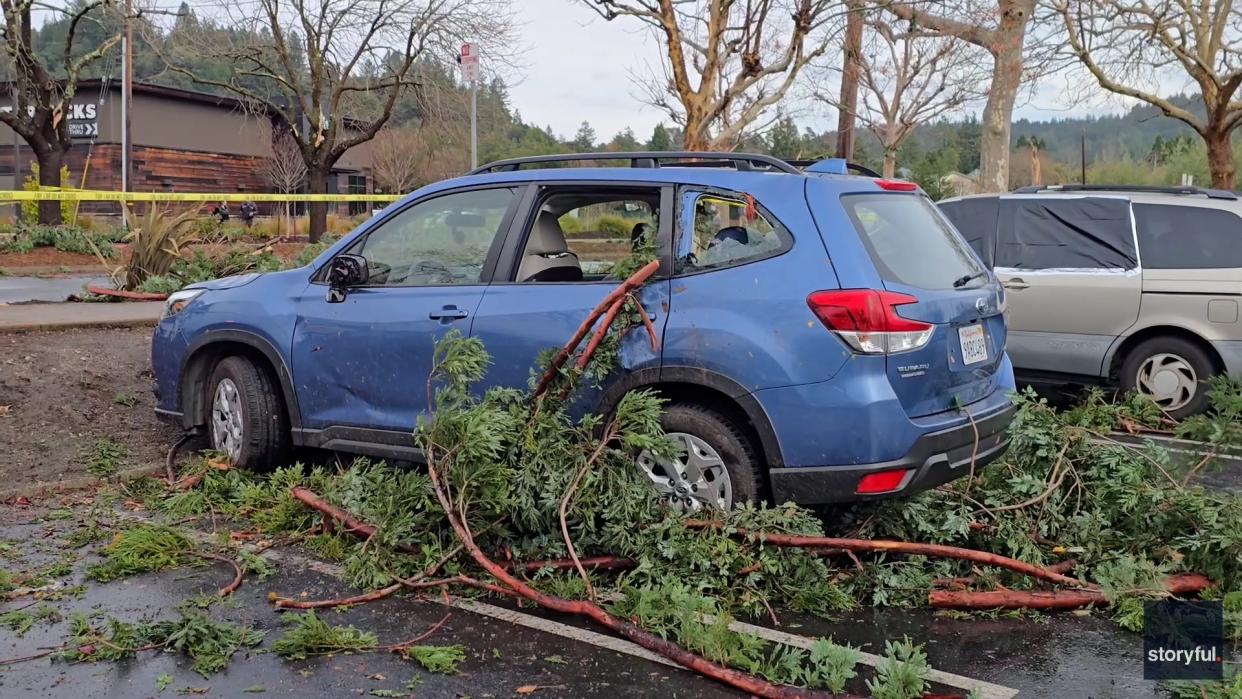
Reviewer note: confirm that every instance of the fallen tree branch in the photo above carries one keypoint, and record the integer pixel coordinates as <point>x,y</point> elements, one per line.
<point>1182,584</point>
<point>906,547</point>
<point>237,571</point>
<point>352,524</point>
<point>287,603</point>
<point>591,563</point>
<point>592,611</point>
<point>636,280</point>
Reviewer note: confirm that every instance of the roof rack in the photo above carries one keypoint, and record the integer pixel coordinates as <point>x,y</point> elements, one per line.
<point>1210,193</point>
<point>745,162</point>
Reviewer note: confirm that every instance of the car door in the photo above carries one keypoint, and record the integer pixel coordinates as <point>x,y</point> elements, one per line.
<point>1070,270</point>
<point>363,361</point>
<point>555,268</point>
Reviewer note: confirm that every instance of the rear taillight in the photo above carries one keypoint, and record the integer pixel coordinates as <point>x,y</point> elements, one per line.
<point>882,482</point>
<point>867,320</point>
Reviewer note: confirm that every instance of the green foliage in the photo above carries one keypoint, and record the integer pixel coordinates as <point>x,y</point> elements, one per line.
<point>1064,487</point>
<point>310,635</point>
<point>106,458</point>
<point>30,209</point>
<point>65,238</point>
<point>142,548</point>
<point>207,642</point>
<point>156,240</point>
<point>310,252</point>
<point>902,674</point>
<point>441,659</point>
<point>616,226</point>
<point>19,622</point>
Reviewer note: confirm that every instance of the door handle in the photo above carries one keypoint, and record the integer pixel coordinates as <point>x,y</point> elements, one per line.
<point>650,313</point>
<point>448,313</point>
<point>1016,284</point>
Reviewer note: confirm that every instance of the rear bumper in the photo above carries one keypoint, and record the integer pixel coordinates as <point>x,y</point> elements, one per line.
<point>935,458</point>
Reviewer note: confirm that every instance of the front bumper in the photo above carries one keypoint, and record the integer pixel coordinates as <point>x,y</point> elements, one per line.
<point>935,458</point>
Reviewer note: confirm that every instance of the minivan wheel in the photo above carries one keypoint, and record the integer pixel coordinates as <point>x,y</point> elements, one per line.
<point>245,415</point>
<point>716,468</point>
<point>1171,371</point>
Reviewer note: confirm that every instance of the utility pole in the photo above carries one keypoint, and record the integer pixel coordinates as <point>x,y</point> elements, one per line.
<point>1084,155</point>
<point>127,94</point>
<point>27,40</point>
<point>469,60</point>
<point>849,81</point>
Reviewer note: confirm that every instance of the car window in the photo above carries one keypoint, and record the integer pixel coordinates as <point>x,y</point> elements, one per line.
<point>581,235</point>
<point>1069,233</point>
<point>975,218</point>
<point>910,242</point>
<point>724,231</point>
<point>439,241</point>
<point>1188,237</point>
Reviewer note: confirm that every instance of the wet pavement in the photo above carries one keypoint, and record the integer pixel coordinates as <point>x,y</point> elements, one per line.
<point>1064,655</point>
<point>26,289</point>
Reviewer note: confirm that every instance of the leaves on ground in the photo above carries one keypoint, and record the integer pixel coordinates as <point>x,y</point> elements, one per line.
<point>311,635</point>
<point>142,548</point>
<point>442,659</point>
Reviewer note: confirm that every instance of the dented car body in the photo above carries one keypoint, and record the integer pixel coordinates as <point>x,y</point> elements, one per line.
<point>824,337</point>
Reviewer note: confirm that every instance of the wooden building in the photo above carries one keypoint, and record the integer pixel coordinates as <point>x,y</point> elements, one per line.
<point>183,141</point>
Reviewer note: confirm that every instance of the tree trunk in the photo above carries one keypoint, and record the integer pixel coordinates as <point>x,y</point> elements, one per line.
<point>1220,160</point>
<point>317,183</point>
<point>890,163</point>
<point>50,162</point>
<point>1006,81</point>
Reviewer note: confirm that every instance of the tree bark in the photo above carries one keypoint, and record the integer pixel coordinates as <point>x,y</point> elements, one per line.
<point>997,118</point>
<point>50,162</point>
<point>1220,159</point>
<point>890,163</point>
<point>317,183</point>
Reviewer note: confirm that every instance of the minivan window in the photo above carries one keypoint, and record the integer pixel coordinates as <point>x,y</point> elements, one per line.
<point>910,242</point>
<point>975,218</point>
<point>1188,237</point>
<point>1069,233</point>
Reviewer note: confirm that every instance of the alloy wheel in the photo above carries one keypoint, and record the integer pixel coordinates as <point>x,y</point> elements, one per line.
<point>694,479</point>
<point>226,419</point>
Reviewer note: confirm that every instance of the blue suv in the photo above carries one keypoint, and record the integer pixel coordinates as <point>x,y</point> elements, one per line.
<point>824,337</point>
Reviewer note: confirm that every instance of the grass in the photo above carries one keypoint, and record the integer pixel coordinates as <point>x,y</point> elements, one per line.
<point>108,456</point>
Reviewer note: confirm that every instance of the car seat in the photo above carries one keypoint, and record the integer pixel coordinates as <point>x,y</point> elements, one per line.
<point>547,257</point>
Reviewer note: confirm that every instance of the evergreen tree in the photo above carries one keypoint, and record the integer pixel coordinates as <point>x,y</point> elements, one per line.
<point>584,141</point>
<point>660,139</point>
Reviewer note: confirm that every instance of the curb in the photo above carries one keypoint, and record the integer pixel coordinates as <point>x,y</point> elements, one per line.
<point>80,324</point>
<point>42,489</point>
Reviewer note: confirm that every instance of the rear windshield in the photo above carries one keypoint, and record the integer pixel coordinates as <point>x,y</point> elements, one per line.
<point>910,242</point>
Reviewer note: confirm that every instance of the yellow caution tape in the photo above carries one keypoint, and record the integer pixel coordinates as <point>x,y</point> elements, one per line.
<point>91,195</point>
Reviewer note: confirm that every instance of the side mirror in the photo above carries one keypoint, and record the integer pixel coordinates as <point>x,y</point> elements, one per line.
<point>345,271</point>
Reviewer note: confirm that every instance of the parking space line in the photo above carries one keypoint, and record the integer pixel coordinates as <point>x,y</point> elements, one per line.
<point>979,688</point>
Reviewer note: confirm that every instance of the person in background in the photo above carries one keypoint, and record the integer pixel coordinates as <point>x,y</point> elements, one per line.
<point>220,212</point>
<point>248,211</point>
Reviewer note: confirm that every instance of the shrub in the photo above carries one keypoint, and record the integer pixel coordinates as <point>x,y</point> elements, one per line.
<point>570,224</point>
<point>30,209</point>
<point>156,240</point>
<point>310,252</point>
<point>613,225</point>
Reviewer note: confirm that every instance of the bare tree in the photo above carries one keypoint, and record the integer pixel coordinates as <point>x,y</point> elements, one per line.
<point>284,169</point>
<point>1131,46</point>
<point>395,159</point>
<point>330,72</point>
<point>727,63</point>
<point>41,93</point>
<point>909,77</point>
<point>1000,27</point>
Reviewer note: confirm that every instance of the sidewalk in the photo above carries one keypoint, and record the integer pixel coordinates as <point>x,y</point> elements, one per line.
<point>57,316</point>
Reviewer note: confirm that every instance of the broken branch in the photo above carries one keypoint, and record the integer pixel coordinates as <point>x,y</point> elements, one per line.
<point>1182,584</point>
<point>287,603</point>
<point>906,547</point>
<point>237,571</point>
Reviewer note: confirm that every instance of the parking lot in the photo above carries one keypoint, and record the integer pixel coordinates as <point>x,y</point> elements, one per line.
<point>510,650</point>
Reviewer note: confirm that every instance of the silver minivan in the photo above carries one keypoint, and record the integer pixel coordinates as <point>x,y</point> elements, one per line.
<point>1136,287</point>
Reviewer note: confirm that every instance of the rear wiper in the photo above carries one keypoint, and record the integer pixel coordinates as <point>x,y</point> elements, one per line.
<point>964,280</point>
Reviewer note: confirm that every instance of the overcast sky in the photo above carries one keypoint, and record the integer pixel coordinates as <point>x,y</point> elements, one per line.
<point>576,67</point>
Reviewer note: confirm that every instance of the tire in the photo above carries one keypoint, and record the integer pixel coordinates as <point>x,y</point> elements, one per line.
<point>1156,364</point>
<point>260,441</point>
<point>693,424</point>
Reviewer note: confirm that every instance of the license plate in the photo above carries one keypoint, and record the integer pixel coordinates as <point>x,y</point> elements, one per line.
<point>974,344</point>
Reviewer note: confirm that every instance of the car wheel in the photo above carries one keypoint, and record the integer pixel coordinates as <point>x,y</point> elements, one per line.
<point>246,418</point>
<point>1172,372</point>
<point>717,467</point>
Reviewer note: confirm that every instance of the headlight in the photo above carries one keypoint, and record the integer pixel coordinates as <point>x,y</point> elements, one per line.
<point>178,300</point>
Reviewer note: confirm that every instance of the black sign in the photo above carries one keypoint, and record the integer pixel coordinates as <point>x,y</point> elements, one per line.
<point>1183,640</point>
